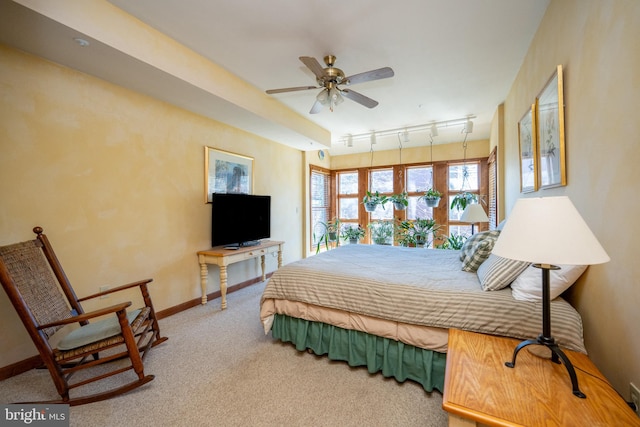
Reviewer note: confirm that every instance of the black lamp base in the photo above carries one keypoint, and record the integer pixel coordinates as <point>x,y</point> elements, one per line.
<point>556,356</point>
<point>545,337</point>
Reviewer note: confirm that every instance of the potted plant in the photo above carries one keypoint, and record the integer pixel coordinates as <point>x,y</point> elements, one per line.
<point>432,197</point>
<point>400,201</point>
<point>421,230</point>
<point>454,242</point>
<point>352,233</point>
<point>462,199</point>
<point>381,232</point>
<point>415,232</point>
<point>372,200</point>
<point>404,233</point>
<point>329,234</point>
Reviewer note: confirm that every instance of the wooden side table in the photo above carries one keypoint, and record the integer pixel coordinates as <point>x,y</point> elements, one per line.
<point>223,257</point>
<point>480,390</point>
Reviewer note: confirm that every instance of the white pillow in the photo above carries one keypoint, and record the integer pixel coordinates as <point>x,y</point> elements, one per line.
<point>528,285</point>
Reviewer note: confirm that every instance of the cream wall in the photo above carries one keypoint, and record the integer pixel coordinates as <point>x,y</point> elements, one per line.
<point>116,180</point>
<point>597,44</point>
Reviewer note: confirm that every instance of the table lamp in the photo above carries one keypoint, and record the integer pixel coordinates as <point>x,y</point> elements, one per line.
<point>474,213</point>
<point>547,231</point>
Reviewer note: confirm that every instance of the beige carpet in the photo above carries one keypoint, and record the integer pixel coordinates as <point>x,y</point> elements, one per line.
<point>219,369</point>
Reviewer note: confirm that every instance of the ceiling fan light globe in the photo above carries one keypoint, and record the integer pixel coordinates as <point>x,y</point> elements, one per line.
<point>323,97</point>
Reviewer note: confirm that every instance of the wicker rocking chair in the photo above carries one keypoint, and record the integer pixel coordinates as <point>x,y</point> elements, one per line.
<point>45,301</point>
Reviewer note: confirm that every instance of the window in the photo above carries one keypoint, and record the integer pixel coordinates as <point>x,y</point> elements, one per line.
<point>462,177</point>
<point>419,180</point>
<point>450,178</point>
<point>348,198</point>
<point>381,180</point>
<point>320,202</point>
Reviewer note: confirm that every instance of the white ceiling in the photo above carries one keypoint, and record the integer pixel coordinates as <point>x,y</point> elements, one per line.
<point>451,59</point>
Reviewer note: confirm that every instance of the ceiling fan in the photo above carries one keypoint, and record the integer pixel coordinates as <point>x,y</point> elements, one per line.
<point>330,78</point>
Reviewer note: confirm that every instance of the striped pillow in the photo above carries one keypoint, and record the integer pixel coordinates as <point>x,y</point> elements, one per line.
<point>497,273</point>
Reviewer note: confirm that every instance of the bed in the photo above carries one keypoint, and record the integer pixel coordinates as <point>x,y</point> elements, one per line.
<point>389,308</point>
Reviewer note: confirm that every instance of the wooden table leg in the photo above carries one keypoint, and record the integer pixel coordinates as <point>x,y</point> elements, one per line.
<point>457,421</point>
<point>279,258</point>
<point>203,281</point>
<point>262,264</point>
<point>223,286</point>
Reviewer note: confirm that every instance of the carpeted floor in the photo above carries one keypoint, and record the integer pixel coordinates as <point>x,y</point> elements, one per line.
<point>218,368</point>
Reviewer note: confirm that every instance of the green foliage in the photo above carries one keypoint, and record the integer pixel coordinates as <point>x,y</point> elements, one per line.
<point>400,198</point>
<point>454,242</point>
<point>432,193</point>
<point>351,232</point>
<point>330,234</point>
<point>381,232</point>
<point>377,198</point>
<point>417,231</point>
<point>461,200</point>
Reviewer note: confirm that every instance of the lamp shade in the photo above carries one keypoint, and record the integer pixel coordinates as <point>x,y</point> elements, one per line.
<point>548,230</point>
<point>474,213</point>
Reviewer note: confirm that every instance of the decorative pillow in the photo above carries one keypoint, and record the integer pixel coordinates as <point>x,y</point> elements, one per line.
<point>468,247</point>
<point>497,273</point>
<point>481,252</point>
<point>528,285</point>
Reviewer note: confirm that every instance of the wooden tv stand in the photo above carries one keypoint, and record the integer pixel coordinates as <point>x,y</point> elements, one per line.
<point>223,257</point>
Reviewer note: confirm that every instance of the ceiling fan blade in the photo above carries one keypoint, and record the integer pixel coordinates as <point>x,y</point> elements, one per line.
<point>359,98</point>
<point>313,64</point>
<point>290,89</point>
<point>380,73</point>
<point>317,107</point>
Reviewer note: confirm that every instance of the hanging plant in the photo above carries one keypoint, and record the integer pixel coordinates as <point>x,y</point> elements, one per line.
<point>462,199</point>
<point>400,201</point>
<point>372,200</point>
<point>432,197</point>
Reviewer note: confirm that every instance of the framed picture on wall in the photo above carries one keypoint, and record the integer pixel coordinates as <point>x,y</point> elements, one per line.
<point>528,151</point>
<point>550,133</point>
<point>226,172</point>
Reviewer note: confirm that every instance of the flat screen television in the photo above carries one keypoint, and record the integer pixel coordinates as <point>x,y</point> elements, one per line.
<point>239,220</point>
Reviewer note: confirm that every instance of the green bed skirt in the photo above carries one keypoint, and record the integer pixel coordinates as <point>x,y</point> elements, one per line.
<point>392,358</point>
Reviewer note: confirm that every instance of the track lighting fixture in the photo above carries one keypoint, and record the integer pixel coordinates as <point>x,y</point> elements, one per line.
<point>468,127</point>
<point>403,133</point>
<point>405,136</point>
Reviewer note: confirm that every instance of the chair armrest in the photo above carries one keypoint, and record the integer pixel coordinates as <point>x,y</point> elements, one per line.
<point>86,316</point>
<point>117,289</point>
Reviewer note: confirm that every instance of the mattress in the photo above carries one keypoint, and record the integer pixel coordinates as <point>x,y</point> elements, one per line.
<point>409,294</point>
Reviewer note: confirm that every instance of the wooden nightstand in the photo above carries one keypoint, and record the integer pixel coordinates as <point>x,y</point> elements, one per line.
<point>480,390</point>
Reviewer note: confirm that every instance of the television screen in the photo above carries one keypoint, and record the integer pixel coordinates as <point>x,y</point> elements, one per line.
<point>240,219</point>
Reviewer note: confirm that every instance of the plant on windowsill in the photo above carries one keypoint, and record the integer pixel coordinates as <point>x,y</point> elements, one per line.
<point>353,234</point>
<point>372,200</point>
<point>416,232</point>
<point>381,232</point>
<point>453,242</point>
<point>329,235</point>
<point>432,197</point>
<point>400,201</point>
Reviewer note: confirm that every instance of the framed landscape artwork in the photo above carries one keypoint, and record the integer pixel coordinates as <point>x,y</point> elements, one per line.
<point>227,172</point>
<point>550,133</point>
<point>528,152</point>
